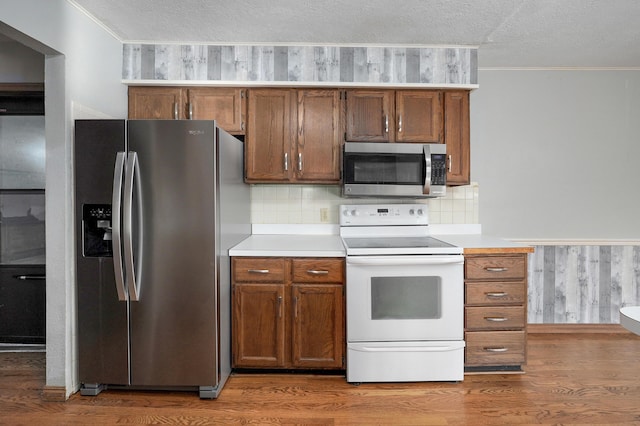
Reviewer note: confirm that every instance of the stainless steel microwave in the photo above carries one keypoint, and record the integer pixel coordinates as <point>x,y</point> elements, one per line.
<point>411,170</point>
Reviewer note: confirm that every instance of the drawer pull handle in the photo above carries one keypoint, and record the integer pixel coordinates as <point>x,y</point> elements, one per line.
<point>496,349</point>
<point>496,319</point>
<point>491,269</point>
<point>258,271</point>
<point>317,272</point>
<point>496,294</point>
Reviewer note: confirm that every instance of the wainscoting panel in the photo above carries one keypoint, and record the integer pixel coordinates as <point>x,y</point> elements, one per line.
<point>582,284</point>
<point>345,65</point>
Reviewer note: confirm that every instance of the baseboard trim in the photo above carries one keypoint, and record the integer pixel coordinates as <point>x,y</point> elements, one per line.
<point>575,328</point>
<point>54,394</point>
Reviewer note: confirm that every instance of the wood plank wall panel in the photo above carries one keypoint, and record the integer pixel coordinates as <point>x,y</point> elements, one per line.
<point>582,284</point>
<point>441,66</point>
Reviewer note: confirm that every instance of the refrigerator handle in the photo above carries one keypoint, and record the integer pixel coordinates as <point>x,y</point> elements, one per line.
<point>116,204</point>
<point>132,259</point>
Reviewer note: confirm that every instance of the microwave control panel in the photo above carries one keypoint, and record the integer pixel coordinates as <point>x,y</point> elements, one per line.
<point>438,169</point>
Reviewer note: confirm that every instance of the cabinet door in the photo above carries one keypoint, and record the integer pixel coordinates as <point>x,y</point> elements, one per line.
<point>456,136</point>
<point>369,115</point>
<point>258,325</point>
<point>225,105</point>
<point>269,134</point>
<point>160,103</point>
<point>318,336</point>
<point>318,139</point>
<point>418,116</point>
<point>22,304</point>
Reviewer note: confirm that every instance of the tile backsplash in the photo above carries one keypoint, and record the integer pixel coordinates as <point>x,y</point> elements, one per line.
<point>318,204</point>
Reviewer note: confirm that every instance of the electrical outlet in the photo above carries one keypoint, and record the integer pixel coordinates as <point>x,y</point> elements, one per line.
<point>324,215</point>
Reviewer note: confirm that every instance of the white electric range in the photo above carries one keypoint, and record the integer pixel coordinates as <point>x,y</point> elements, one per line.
<point>405,296</point>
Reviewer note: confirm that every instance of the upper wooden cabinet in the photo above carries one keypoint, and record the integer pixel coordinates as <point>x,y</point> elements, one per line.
<point>317,154</point>
<point>269,134</point>
<point>159,103</point>
<point>457,137</point>
<point>293,136</point>
<point>394,116</point>
<point>225,105</point>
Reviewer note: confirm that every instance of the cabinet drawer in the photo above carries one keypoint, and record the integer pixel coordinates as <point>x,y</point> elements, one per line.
<point>494,293</point>
<point>494,318</point>
<point>494,348</point>
<point>327,270</point>
<point>495,267</point>
<point>258,269</point>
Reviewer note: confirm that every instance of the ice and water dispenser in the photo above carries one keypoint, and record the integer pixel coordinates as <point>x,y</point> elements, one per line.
<point>96,230</point>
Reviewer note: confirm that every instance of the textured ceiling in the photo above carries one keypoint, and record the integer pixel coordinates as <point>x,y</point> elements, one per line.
<point>508,33</point>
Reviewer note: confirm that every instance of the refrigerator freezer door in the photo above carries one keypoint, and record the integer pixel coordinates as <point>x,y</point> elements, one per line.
<point>103,349</point>
<point>174,337</point>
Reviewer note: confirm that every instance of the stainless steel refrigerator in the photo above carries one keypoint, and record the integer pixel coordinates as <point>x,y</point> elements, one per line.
<point>158,205</point>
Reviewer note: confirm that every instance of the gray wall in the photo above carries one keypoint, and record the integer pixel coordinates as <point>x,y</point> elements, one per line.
<point>556,153</point>
<point>20,64</point>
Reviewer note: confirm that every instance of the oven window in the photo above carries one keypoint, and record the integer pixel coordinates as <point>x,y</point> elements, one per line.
<point>398,169</point>
<point>406,298</point>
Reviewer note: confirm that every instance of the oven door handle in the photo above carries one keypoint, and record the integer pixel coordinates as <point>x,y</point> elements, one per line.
<point>404,348</point>
<point>406,260</point>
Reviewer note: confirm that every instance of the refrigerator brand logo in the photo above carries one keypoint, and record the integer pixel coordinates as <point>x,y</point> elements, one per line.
<point>196,132</point>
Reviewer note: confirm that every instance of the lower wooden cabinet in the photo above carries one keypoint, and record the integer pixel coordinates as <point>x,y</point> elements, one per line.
<point>495,348</point>
<point>288,313</point>
<point>495,312</point>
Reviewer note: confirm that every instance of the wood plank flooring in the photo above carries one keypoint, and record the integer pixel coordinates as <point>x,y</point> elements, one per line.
<point>570,379</point>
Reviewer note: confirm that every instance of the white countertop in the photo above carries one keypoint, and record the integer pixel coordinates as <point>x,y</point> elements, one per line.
<point>630,318</point>
<point>481,242</point>
<point>289,245</point>
<point>323,241</point>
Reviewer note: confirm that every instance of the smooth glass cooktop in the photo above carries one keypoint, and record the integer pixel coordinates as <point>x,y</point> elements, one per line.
<point>395,242</point>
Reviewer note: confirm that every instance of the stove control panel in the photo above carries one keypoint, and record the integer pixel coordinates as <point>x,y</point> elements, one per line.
<point>383,214</point>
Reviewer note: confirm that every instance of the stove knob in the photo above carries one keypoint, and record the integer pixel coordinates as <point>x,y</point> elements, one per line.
<point>420,212</point>
<point>354,212</point>
<point>411,212</point>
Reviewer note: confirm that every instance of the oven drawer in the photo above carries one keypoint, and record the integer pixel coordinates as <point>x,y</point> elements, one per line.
<point>258,269</point>
<point>494,348</point>
<point>495,267</point>
<point>494,318</point>
<point>318,270</point>
<point>494,293</point>
<point>405,361</point>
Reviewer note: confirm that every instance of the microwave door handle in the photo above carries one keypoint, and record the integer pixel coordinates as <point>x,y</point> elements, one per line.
<point>427,165</point>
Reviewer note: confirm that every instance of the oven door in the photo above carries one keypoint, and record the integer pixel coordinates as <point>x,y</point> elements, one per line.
<point>405,298</point>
